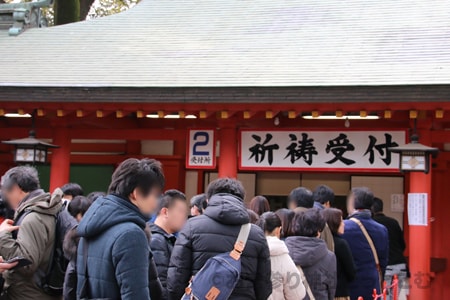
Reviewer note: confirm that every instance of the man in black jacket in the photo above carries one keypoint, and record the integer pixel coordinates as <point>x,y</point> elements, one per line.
<point>215,232</point>
<point>172,214</point>
<point>397,245</point>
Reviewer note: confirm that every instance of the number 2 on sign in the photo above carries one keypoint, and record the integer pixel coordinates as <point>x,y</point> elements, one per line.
<point>201,139</point>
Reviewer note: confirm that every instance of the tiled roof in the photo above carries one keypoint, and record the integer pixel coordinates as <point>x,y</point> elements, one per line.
<point>217,43</point>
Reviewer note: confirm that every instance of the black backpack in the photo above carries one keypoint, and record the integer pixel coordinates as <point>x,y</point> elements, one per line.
<point>51,281</point>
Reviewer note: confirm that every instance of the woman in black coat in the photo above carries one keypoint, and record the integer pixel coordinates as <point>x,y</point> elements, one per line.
<point>346,270</point>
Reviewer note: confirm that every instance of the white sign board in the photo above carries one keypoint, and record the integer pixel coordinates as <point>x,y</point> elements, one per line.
<point>418,209</point>
<point>201,149</point>
<point>397,203</point>
<point>338,150</point>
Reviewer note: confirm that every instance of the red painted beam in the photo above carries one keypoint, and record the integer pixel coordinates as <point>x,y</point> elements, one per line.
<point>107,134</point>
<point>440,137</point>
<point>70,107</point>
<point>99,147</point>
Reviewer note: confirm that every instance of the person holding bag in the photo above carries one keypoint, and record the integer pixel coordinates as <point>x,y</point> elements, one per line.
<point>369,243</point>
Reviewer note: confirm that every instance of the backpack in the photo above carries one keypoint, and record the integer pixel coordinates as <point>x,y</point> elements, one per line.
<point>220,274</point>
<point>51,281</point>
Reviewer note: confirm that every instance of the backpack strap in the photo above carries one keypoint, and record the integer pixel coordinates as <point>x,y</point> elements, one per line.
<point>241,240</point>
<point>372,246</point>
<point>306,284</point>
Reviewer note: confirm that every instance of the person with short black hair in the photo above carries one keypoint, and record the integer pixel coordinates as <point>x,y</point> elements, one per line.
<point>225,186</point>
<point>113,236</point>
<point>310,253</point>
<point>36,213</point>
<point>171,216</point>
<point>359,202</point>
<point>286,278</point>
<point>215,232</point>
<point>397,261</point>
<point>95,195</point>
<point>198,204</point>
<point>300,199</point>
<point>71,190</point>
<point>346,269</point>
<point>78,206</point>
<point>323,197</point>
<point>259,205</point>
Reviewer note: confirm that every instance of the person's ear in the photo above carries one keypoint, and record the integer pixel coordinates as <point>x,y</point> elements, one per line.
<point>133,196</point>
<point>164,211</point>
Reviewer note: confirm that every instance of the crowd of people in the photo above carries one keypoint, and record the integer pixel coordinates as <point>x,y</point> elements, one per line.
<point>138,242</point>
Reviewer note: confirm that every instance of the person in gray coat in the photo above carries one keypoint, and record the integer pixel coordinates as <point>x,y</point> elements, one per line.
<point>310,253</point>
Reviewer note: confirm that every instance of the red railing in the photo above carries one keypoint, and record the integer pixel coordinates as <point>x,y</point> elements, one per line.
<point>383,296</point>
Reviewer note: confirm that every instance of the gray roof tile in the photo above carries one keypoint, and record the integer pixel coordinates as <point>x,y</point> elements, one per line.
<point>232,43</point>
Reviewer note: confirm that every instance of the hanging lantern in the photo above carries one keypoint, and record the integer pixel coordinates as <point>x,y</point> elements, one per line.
<point>30,150</point>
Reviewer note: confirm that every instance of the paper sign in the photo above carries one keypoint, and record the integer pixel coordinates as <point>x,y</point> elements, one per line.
<point>418,209</point>
<point>201,149</point>
<point>397,203</point>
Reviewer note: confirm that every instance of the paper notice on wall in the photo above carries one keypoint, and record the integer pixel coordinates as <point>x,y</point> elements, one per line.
<point>397,203</point>
<point>418,209</point>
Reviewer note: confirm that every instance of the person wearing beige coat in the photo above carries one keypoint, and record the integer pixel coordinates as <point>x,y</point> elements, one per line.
<point>286,279</point>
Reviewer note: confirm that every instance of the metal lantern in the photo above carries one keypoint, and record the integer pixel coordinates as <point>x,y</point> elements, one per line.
<point>30,150</point>
<point>415,157</point>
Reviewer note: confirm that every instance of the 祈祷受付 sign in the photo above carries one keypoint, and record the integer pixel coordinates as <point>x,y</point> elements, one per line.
<point>299,150</point>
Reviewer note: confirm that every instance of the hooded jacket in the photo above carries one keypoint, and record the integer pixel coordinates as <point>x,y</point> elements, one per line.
<point>318,264</point>
<point>213,233</point>
<point>367,277</point>
<point>118,251</point>
<point>35,242</point>
<point>162,245</point>
<point>286,279</point>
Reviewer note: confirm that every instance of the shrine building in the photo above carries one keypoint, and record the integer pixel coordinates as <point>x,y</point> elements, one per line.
<point>278,94</point>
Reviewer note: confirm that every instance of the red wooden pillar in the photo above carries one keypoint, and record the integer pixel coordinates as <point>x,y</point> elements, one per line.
<point>420,236</point>
<point>228,153</point>
<point>60,163</point>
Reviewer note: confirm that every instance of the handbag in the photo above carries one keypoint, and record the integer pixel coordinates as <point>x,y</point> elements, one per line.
<point>374,251</point>
<point>84,291</point>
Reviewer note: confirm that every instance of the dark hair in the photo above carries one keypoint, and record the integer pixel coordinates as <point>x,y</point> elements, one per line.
<point>308,223</point>
<point>323,194</point>
<point>333,217</point>
<point>363,197</point>
<point>377,205</point>
<point>200,202</point>
<point>168,199</point>
<point>259,205</point>
<point>6,212</point>
<point>25,177</point>
<point>269,221</point>
<point>95,195</point>
<point>253,216</point>
<point>78,205</point>
<point>142,174</point>
<point>286,216</point>
<point>72,189</point>
<point>302,197</point>
<point>225,186</point>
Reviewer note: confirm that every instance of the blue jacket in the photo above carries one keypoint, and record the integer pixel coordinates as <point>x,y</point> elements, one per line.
<point>366,272</point>
<point>118,251</point>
